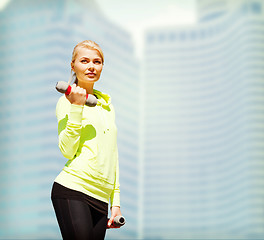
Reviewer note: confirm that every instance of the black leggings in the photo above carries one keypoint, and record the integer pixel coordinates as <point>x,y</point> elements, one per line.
<point>78,221</point>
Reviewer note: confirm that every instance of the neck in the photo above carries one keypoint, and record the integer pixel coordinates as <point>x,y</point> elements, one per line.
<point>87,86</point>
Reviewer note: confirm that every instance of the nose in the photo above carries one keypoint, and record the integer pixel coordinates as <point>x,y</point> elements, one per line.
<point>91,66</point>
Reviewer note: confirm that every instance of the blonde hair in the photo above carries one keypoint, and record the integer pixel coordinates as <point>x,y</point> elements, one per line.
<point>85,44</point>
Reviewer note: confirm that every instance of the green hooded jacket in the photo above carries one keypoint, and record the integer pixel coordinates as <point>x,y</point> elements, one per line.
<point>88,139</point>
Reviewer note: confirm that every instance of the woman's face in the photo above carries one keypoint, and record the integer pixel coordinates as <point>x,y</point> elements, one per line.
<point>88,65</point>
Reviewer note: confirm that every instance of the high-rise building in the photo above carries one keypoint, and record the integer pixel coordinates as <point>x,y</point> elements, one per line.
<point>36,41</point>
<point>203,138</point>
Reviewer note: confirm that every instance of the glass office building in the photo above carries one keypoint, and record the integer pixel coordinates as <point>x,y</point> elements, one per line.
<point>36,42</point>
<point>203,140</point>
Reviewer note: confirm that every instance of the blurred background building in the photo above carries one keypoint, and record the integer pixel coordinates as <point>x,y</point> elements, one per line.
<point>203,126</point>
<point>191,146</point>
<point>36,41</point>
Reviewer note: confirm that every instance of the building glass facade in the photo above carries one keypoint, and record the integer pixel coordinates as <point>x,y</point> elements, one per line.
<point>203,126</point>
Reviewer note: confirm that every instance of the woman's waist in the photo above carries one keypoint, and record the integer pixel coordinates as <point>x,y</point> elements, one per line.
<point>83,182</point>
<point>88,170</point>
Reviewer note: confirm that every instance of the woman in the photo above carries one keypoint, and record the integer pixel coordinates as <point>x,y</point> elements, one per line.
<point>87,138</point>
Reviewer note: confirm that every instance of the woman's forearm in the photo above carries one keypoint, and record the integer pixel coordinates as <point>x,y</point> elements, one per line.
<point>70,132</point>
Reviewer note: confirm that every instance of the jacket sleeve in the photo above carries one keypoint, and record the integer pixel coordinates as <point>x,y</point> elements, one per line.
<point>115,195</point>
<point>69,118</point>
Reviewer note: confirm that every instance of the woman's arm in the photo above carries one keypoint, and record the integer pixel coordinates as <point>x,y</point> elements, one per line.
<point>115,195</point>
<point>69,130</point>
<point>115,198</point>
<point>69,115</point>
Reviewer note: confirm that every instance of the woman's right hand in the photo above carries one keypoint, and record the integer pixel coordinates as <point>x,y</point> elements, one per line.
<point>77,95</point>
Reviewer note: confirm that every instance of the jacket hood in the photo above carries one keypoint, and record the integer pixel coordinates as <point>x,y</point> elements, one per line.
<point>103,98</point>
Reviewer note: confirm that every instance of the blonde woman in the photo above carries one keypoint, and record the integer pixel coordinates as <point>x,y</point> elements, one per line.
<point>87,138</point>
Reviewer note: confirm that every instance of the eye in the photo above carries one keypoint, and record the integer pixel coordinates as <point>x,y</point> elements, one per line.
<point>97,62</point>
<point>84,61</point>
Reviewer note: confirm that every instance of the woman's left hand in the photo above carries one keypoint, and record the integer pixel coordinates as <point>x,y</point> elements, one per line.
<point>115,211</point>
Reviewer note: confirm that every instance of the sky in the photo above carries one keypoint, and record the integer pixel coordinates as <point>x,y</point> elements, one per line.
<point>135,16</point>
<point>3,3</point>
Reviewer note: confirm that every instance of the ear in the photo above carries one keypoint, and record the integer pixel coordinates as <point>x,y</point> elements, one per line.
<point>72,66</point>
